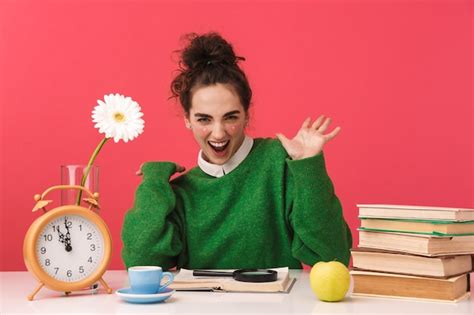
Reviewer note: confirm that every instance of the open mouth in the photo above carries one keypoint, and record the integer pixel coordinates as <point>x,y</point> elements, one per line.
<point>219,147</point>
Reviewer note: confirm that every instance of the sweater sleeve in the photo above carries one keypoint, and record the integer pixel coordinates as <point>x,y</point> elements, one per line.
<point>315,214</point>
<point>151,231</point>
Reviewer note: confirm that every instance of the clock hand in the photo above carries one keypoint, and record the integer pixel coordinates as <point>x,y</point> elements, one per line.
<point>61,236</point>
<point>68,237</point>
<point>65,239</point>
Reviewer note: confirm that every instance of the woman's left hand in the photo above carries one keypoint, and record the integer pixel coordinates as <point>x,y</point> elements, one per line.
<point>310,139</point>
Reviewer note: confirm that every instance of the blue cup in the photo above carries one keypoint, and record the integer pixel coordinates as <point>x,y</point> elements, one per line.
<point>147,279</point>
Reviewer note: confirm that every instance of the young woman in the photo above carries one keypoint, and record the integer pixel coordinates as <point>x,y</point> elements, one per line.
<point>250,203</point>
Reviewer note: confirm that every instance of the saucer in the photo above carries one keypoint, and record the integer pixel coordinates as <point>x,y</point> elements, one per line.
<point>127,294</point>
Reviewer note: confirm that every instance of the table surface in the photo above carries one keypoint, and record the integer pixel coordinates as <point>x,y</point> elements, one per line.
<point>15,286</point>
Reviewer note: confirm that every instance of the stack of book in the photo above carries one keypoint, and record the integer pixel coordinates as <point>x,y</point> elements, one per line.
<point>414,252</point>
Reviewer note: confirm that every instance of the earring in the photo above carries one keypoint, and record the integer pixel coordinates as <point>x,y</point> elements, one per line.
<point>188,126</point>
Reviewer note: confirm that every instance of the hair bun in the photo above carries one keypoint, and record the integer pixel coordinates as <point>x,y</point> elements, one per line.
<point>206,60</point>
<point>207,49</point>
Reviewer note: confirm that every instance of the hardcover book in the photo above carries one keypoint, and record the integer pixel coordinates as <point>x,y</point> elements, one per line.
<point>415,212</point>
<point>421,244</point>
<point>433,227</point>
<point>403,263</point>
<point>368,283</point>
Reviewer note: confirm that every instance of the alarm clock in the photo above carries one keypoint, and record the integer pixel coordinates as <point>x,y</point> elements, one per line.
<point>69,247</point>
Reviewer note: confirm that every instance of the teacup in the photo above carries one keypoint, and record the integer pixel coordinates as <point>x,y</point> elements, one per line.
<point>147,279</point>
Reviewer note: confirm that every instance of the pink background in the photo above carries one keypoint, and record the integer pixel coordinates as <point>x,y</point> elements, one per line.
<point>395,75</point>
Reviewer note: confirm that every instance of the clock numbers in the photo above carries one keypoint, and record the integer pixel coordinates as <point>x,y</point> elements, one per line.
<point>70,248</point>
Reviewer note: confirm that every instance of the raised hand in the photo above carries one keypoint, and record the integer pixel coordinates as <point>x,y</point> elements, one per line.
<point>310,139</point>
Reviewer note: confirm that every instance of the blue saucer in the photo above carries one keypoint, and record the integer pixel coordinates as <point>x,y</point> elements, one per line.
<point>127,294</point>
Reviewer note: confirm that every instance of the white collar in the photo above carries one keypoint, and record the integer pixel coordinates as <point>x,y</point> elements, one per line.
<point>220,170</point>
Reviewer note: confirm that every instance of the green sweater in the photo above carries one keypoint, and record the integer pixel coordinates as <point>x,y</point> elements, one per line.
<point>270,211</point>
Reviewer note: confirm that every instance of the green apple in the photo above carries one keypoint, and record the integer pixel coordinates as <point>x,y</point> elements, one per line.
<point>330,280</point>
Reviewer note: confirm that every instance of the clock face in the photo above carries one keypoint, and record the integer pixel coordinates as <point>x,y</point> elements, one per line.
<point>70,248</point>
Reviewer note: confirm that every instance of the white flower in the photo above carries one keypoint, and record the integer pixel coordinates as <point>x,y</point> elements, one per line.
<point>119,117</point>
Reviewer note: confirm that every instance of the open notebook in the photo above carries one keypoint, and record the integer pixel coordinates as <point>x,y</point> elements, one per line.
<point>185,281</point>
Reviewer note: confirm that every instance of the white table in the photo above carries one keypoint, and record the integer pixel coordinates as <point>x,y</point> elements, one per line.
<point>15,286</point>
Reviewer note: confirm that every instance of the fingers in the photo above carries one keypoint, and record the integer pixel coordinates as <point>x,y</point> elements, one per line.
<point>139,172</point>
<point>283,139</point>
<point>321,124</point>
<point>180,168</point>
<point>325,125</point>
<point>333,133</point>
<point>306,123</point>
<point>317,122</point>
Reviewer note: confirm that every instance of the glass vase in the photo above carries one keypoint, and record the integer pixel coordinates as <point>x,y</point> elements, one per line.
<point>72,175</point>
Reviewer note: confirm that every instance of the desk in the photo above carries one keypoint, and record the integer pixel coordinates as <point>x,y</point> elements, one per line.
<point>15,286</point>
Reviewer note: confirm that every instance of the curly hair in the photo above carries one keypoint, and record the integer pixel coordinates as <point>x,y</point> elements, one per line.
<point>208,59</point>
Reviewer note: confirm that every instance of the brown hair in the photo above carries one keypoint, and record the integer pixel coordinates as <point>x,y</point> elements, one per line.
<point>208,59</point>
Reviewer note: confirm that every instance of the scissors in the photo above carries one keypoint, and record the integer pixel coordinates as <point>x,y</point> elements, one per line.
<point>244,275</point>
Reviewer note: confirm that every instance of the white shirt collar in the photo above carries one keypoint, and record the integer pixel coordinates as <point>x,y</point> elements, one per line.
<point>221,170</point>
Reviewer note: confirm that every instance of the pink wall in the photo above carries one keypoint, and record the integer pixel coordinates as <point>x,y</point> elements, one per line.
<point>395,75</point>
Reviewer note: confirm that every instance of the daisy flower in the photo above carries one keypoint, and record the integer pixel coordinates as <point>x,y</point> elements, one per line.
<point>118,117</point>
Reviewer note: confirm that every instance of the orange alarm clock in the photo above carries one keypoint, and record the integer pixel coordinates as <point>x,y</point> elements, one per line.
<point>69,247</point>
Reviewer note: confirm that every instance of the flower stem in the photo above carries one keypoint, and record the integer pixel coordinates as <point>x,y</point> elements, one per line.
<point>88,168</point>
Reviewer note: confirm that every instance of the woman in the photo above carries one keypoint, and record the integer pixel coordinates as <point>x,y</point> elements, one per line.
<point>250,203</point>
